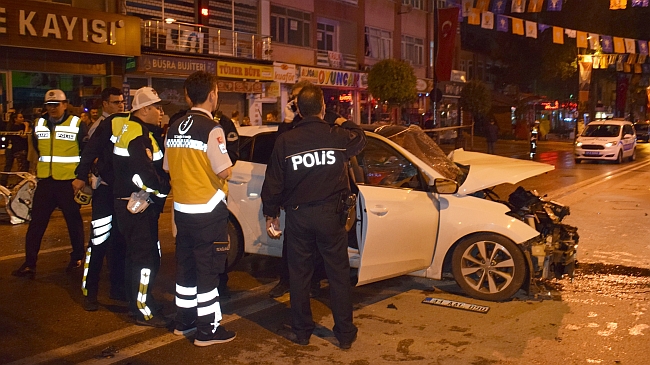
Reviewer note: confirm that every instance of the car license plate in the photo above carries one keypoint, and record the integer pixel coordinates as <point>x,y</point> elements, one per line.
<point>592,153</point>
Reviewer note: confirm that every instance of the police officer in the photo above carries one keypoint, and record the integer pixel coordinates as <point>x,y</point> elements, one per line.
<point>308,176</point>
<point>199,166</point>
<point>58,139</point>
<point>141,187</point>
<point>104,235</point>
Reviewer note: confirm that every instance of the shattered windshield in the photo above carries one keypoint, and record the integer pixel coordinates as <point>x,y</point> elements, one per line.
<point>423,147</point>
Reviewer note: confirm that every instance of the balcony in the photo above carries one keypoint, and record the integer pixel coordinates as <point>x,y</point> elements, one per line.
<point>199,39</point>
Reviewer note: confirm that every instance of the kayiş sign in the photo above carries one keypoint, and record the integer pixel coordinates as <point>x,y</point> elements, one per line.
<point>58,27</point>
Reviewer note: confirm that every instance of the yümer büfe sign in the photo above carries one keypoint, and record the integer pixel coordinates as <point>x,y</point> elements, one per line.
<point>246,71</point>
<point>325,77</point>
<point>50,26</point>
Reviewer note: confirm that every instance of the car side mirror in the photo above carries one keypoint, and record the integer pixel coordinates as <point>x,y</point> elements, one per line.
<point>627,136</point>
<point>444,186</point>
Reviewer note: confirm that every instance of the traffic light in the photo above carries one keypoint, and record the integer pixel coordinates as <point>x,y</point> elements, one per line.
<point>203,12</point>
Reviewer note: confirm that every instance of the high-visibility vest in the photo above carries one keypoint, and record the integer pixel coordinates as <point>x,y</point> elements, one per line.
<point>196,188</point>
<point>131,130</point>
<point>59,151</point>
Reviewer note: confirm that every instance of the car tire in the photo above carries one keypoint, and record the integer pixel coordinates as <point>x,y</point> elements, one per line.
<point>236,240</point>
<point>498,280</point>
<point>578,161</point>
<point>619,158</point>
<point>633,155</point>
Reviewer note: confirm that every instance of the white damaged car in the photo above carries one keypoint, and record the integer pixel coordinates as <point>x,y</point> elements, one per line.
<point>422,213</point>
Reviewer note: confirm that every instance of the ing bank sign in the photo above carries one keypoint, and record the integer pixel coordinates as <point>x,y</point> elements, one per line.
<point>51,26</point>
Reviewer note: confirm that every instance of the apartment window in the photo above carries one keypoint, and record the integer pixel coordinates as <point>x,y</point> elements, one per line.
<point>416,4</point>
<point>379,43</point>
<point>290,26</point>
<point>326,37</point>
<point>413,50</point>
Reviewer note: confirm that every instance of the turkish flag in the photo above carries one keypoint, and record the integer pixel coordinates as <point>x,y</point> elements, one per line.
<point>447,24</point>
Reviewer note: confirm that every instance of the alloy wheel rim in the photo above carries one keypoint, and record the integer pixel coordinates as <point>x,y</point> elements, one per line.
<point>487,267</point>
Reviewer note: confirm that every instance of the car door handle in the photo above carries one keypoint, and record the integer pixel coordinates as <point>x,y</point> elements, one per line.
<point>379,210</point>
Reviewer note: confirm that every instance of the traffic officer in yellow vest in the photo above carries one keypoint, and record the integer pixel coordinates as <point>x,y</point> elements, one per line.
<point>198,162</point>
<point>105,237</point>
<point>141,187</point>
<point>58,138</point>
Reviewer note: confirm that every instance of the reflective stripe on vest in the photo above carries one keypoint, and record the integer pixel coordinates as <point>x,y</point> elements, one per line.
<point>59,153</point>
<point>220,196</point>
<point>137,180</point>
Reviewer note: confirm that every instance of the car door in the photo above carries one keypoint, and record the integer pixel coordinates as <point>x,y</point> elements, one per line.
<point>398,218</point>
<point>245,187</point>
<point>630,142</point>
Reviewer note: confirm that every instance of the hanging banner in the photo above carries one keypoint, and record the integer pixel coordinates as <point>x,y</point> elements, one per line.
<point>518,6</point>
<point>607,44</point>
<point>581,39</point>
<point>571,33</point>
<point>531,29</point>
<point>535,6</point>
<point>502,23</point>
<point>622,84</point>
<point>585,66</point>
<point>467,6</point>
<point>517,26</point>
<point>594,41</point>
<point>482,5</point>
<point>474,17</point>
<point>554,5</point>
<point>558,35</point>
<point>542,27</point>
<point>619,45</point>
<point>488,20</point>
<point>447,24</point>
<point>499,6</point>
<point>643,47</point>
<point>617,4</point>
<point>643,3</point>
<point>630,45</point>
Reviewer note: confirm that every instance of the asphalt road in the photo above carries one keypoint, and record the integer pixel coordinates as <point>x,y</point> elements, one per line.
<point>598,318</point>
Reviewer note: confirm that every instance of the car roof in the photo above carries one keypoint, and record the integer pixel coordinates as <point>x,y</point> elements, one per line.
<point>252,130</point>
<point>611,122</point>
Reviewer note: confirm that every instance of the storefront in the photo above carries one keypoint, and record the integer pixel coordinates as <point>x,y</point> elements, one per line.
<point>342,89</point>
<point>242,87</point>
<point>48,46</point>
<point>166,75</point>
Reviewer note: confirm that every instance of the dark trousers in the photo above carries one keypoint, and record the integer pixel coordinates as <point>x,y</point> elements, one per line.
<point>201,252</point>
<point>19,156</point>
<point>105,238</point>
<point>490,145</point>
<point>50,194</point>
<point>312,229</point>
<point>142,262</point>
<point>319,269</point>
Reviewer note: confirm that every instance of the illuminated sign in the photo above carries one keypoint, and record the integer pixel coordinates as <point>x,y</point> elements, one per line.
<point>345,98</point>
<point>52,26</point>
<point>325,77</point>
<point>244,71</point>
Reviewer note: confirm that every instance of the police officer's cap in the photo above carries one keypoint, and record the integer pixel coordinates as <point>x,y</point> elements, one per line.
<point>55,96</point>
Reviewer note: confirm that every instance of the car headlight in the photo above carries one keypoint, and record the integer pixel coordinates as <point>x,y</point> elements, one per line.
<point>578,144</point>
<point>609,144</point>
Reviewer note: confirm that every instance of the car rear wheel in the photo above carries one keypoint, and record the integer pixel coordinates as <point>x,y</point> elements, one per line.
<point>236,240</point>
<point>488,266</point>
<point>619,158</point>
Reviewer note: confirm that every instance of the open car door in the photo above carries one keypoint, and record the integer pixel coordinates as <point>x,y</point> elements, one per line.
<point>398,219</point>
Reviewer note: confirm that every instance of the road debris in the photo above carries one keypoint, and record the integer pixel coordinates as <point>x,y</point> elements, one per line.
<point>454,304</point>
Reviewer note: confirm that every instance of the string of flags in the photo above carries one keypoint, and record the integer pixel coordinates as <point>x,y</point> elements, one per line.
<point>536,6</point>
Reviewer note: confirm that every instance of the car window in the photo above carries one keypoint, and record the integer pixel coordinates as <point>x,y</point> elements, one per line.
<point>257,149</point>
<point>602,130</point>
<point>627,129</point>
<point>641,127</point>
<point>382,165</point>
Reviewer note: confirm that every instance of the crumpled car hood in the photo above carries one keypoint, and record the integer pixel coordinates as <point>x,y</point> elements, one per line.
<point>486,171</point>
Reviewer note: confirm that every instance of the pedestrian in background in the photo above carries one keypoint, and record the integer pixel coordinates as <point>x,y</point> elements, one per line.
<point>58,140</point>
<point>18,148</point>
<point>105,238</point>
<point>491,135</point>
<point>199,185</point>
<point>141,188</point>
<point>311,195</point>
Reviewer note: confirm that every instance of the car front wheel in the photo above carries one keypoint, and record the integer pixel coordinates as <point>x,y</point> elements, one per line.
<point>619,158</point>
<point>488,266</point>
<point>236,240</point>
<point>633,156</point>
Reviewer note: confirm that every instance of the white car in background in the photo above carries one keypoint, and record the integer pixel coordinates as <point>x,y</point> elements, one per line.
<point>610,140</point>
<point>422,213</point>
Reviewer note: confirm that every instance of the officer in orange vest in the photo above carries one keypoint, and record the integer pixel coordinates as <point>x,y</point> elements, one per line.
<point>58,138</point>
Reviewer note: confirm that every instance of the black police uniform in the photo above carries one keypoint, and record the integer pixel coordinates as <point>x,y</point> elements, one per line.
<point>105,237</point>
<point>308,175</point>
<point>140,162</point>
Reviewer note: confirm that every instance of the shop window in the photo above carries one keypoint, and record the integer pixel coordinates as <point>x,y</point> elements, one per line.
<point>413,50</point>
<point>326,36</point>
<point>416,4</point>
<point>290,26</point>
<point>379,43</point>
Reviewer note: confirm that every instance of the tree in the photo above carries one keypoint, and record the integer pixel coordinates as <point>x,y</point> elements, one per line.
<point>392,81</point>
<point>477,100</point>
